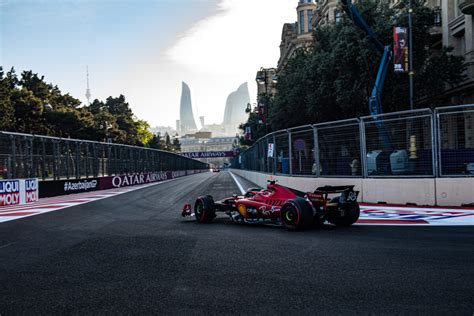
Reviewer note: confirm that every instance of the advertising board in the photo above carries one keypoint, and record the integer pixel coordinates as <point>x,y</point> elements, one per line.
<point>9,192</point>
<point>18,191</point>
<point>62,187</point>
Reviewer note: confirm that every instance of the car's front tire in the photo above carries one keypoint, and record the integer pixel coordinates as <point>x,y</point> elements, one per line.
<point>204,209</point>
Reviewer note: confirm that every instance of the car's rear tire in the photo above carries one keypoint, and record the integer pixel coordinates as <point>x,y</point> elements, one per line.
<point>351,214</point>
<point>204,209</point>
<point>296,214</point>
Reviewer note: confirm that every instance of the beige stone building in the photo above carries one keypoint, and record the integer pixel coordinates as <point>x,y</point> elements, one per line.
<point>294,36</point>
<point>297,35</point>
<point>327,11</point>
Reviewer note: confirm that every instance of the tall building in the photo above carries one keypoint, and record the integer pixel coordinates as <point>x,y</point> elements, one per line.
<point>328,11</point>
<point>88,90</point>
<point>458,31</point>
<point>234,113</point>
<point>186,116</point>
<point>297,35</point>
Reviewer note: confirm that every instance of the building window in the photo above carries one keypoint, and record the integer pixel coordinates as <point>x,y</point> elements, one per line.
<point>310,20</point>
<point>437,18</point>
<point>301,22</point>
<point>337,16</point>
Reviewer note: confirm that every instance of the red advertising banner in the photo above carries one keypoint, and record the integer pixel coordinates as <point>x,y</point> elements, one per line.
<point>400,49</point>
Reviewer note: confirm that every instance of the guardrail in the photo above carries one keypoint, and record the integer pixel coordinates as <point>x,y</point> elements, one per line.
<point>423,143</point>
<point>53,158</point>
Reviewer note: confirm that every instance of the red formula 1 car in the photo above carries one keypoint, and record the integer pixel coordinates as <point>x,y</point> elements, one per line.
<point>279,205</point>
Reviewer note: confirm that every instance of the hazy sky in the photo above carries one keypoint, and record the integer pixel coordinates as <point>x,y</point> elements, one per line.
<point>145,48</point>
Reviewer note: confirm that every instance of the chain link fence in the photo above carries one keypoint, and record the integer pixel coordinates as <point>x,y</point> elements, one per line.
<point>419,143</point>
<point>32,156</point>
<point>455,126</point>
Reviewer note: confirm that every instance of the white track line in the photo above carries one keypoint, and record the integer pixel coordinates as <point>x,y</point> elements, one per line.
<point>237,182</point>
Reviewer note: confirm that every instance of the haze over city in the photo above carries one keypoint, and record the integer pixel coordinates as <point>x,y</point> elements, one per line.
<point>144,49</point>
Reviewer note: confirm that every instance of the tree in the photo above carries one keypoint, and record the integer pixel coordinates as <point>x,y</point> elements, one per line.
<point>143,132</point>
<point>23,109</point>
<point>28,112</point>
<point>334,80</point>
<point>156,142</point>
<point>176,145</point>
<point>167,145</point>
<point>8,82</point>
<point>120,109</point>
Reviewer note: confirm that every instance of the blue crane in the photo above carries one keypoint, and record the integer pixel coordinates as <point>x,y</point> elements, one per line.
<point>375,103</point>
<point>375,100</point>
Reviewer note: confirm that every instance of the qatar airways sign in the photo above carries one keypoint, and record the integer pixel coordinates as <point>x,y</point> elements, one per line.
<point>134,179</point>
<point>208,154</point>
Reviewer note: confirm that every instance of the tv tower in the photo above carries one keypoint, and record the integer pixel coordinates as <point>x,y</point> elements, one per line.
<point>88,91</point>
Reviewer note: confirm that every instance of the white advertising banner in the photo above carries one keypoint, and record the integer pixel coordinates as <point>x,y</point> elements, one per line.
<point>270,150</point>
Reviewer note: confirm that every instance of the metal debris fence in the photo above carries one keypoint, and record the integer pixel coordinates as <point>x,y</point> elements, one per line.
<point>418,143</point>
<point>44,157</point>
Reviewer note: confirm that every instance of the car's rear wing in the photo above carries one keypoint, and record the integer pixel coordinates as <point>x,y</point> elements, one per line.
<point>334,189</point>
<point>347,194</point>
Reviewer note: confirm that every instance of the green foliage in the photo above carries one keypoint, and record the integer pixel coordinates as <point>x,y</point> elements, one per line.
<point>158,142</point>
<point>30,105</point>
<point>334,80</point>
<point>176,145</point>
<point>143,132</point>
<point>7,112</point>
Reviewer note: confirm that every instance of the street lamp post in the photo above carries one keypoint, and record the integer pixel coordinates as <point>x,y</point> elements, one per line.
<point>106,126</point>
<point>263,79</point>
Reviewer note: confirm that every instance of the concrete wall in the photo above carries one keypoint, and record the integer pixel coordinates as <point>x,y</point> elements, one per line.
<point>439,191</point>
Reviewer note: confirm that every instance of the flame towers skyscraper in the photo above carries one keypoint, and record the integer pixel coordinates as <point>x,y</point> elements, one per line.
<point>186,116</point>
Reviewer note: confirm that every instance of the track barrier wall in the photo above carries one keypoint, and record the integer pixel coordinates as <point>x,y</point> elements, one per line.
<point>52,158</point>
<point>422,156</point>
<point>421,143</point>
<point>63,187</point>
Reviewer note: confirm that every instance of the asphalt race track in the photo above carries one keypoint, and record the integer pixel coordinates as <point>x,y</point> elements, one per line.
<point>134,254</point>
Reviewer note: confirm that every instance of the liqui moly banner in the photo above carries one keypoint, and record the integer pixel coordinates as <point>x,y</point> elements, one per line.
<point>19,191</point>
<point>31,190</point>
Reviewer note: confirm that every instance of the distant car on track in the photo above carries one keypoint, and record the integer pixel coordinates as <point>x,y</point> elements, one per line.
<point>279,205</point>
